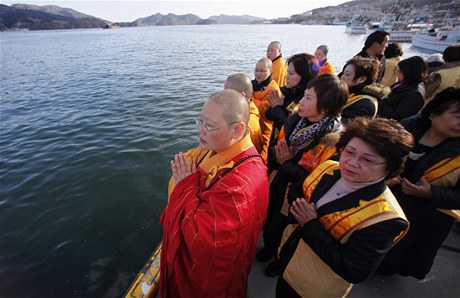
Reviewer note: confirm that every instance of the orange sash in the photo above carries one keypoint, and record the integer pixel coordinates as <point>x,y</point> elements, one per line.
<point>445,173</point>
<point>342,224</point>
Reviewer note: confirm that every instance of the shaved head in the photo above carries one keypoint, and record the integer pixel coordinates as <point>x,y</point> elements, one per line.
<point>240,82</point>
<point>234,105</point>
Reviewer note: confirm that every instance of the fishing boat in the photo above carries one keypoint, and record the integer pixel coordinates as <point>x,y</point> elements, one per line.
<point>357,25</point>
<point>437,41</point>
<point>338,21</point>
<point>396,35</point>
<point>397,22</point>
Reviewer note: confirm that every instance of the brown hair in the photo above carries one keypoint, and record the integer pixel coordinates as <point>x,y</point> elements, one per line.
<point>306,66</point>
<point>388,137</point>
<point>364,67</point>
<point>331,92</point>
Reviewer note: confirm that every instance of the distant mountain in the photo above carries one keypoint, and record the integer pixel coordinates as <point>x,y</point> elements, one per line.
<point>417,3</point>
<point>33,17</point>
<point>167,20</point>
<point>190,19</point>
<point>53,9</point>
<point>229,19</point>
<point>421,11</point>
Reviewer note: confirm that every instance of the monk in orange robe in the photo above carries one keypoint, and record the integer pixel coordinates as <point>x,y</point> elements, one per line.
<point>217,206</point>
<point>279,68</point>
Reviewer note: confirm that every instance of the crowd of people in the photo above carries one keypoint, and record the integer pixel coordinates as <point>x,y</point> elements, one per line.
<point>344,175</point>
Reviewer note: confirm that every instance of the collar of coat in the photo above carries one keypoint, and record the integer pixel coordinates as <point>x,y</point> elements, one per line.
<point>256,86</point>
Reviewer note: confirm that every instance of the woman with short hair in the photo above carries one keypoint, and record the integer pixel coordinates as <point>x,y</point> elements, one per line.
<point>346,218</point>
<point>360,75</point>
<point>302,68</point>
<point>429,187</point>
<point>407,96</point>
<point>307,139</point>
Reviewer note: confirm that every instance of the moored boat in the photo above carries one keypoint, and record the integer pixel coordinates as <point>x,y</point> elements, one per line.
<point>437,41</point>
<point>398,21</point>
<point>338,21</point>
<point>357,25</point>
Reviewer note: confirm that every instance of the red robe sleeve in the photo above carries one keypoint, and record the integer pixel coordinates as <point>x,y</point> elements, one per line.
<point>213,236</point>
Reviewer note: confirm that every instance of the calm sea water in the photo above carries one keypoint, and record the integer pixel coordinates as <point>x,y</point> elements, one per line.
<point>89,121</point>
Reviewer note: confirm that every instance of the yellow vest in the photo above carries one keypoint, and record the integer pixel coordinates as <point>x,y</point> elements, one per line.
<point>354,98</point>
<point>391,72</point>
<point>343,223</point>
<point>450,77</point>
<point>321,280</point>
<point>445,173</point>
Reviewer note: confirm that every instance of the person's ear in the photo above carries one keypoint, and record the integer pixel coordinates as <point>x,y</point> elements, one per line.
<point>361,80</point>
<point>239,130</point>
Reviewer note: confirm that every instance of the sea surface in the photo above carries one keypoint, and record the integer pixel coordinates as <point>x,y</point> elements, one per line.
<point>89,120</point>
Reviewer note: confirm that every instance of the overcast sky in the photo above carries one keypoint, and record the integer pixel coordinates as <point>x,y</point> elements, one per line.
<point>127,11</point>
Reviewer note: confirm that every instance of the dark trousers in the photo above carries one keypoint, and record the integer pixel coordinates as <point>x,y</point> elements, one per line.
<point>284,290</point>
<point>273,232</point>
<point>414,254</point>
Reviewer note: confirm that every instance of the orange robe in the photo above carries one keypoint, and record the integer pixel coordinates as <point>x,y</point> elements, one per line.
<point>260,98</point>
<point>210,235</point>
<point>326,68</point>
<point>254,126</point>
<point>279,71</point>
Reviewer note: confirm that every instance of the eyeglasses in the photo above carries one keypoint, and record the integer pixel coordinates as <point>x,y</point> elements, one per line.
<point>200,122</point>
<point>350,153</point>
<point>260,70</point>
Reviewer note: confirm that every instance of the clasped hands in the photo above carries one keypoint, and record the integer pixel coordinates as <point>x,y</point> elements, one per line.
<point>303,212</point>
<point>274,99</point>
<point>181,167</point>
<point>283,152</point>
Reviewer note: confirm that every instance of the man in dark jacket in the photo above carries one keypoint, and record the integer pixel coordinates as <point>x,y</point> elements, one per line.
<point>374,47</point>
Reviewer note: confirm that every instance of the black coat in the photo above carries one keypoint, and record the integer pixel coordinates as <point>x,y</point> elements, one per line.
<point>403,101</point>
<point>280,114</point>
<point>363,107</point>
<point>415,253</point>
<point>290,171</point>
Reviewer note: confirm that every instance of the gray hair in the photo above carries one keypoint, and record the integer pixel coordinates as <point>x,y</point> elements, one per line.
<point>268,63</point>
<point>242,83</point>
<point>277,44</point>
<point>323,48</point>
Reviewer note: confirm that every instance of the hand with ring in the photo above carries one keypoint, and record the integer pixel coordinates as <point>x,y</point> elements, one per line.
<point>303,212</point>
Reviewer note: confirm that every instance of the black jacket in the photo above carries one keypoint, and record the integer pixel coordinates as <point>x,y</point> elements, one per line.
<point>403,101</point>
<point>355,260</point>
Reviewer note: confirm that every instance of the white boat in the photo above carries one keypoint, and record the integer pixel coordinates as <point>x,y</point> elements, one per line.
<point>355,29</point>
<point>397,22</point>
<point>438,41</point>
<point>404,35</point>
<point>401,35</point>
<point>338,21</point>
<point>372,26</point>
<point>356,26</point>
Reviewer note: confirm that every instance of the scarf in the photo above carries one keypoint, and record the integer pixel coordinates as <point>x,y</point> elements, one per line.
<point>302,135</point>
<point>256,86</point>
<point>322,63</point>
